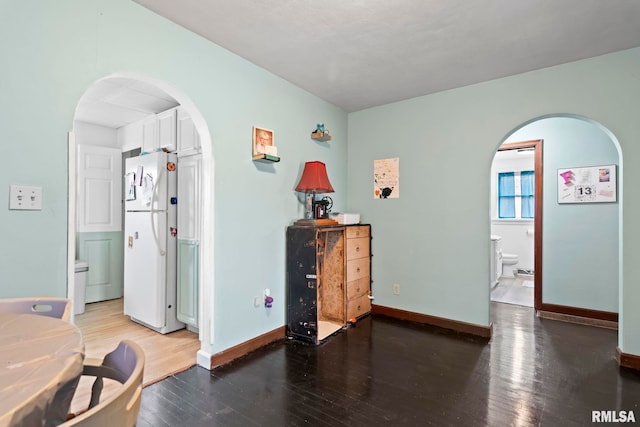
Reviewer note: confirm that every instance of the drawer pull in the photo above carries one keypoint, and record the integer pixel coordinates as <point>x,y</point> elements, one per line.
<point>358,269</point>
<point>357,248</point>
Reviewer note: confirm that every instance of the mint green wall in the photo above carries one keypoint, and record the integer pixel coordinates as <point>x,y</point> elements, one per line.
<point>580,241</point>
<point>434,240</point>
<point>52,51</point>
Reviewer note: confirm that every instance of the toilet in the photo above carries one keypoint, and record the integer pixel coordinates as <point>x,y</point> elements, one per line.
<point>509,262</point>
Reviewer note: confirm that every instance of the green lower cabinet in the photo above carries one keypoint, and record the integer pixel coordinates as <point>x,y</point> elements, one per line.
<point>188,253</point>
<point>103,251</point>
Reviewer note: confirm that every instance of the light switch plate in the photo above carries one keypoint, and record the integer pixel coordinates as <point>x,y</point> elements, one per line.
<point>22,197</point>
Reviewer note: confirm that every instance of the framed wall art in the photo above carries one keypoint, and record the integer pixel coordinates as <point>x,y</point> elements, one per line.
<point>263,141</point>
<point>264,147</point>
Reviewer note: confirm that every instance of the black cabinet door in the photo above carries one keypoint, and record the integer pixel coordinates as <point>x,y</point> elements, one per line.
<point>302,310</point>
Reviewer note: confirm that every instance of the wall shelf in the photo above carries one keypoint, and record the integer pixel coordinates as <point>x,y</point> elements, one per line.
<point>266,158</point>
<point>319,136</point>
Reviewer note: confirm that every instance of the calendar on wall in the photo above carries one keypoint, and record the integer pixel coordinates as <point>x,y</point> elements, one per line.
<point>595,184</point>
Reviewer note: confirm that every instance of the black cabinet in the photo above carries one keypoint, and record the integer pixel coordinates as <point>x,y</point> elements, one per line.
<point>316,303</point>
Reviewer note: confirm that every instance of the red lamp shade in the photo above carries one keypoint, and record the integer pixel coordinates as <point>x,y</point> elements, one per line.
<point>314,179</point>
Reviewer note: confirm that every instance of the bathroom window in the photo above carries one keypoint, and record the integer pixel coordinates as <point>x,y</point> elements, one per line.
<point>516,195</point>
<point>526,194</point>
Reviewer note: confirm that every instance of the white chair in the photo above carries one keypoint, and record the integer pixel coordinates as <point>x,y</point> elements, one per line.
<point>125,364</point>
<point>43,306</point>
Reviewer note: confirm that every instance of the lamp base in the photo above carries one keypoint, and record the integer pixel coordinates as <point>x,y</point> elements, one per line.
<point>322,222</point>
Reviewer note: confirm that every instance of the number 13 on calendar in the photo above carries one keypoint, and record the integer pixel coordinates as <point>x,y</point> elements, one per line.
<point>585,192</point>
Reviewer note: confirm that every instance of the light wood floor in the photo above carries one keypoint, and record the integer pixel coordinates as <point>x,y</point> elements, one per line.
<point>104,325</point>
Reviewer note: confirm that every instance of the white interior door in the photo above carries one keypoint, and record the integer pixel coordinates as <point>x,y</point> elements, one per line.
<point>99,189</point>
<point>99,219</point>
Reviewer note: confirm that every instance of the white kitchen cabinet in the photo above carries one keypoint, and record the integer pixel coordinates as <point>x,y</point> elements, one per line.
<point>150,134</point>
<point>189,199</point>
<point>167,130</point>
<point>188,137</point>
<point>159,131</point>
<point>189,223</point>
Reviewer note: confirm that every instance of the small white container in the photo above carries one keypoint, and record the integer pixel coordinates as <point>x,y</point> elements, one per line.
<point>80,294</point>
<point>347,218</point>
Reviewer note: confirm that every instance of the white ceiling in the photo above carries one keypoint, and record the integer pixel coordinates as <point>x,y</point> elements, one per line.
<point>117,101</point>
<point>363,53</point>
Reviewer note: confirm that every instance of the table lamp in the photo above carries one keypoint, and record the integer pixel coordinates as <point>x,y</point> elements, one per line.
<point>314,180</point>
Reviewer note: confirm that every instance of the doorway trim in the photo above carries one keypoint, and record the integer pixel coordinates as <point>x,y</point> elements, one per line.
<point>536,144</point>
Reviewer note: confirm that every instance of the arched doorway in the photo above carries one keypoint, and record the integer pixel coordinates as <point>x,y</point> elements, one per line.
<point>580,248</point>
<point>206,274</point>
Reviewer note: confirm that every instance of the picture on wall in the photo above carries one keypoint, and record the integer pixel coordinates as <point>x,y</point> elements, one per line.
<point>263,142</point>
<point>386,178</point>
<point>595,184</point>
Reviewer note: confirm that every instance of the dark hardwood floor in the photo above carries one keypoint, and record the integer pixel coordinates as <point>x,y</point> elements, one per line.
<point>533,372</point>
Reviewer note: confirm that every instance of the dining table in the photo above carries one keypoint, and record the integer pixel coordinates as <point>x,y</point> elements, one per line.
<point>41,362</point>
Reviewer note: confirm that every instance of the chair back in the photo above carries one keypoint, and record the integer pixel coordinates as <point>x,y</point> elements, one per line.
<point>125,364</point>
<point>44,306</point>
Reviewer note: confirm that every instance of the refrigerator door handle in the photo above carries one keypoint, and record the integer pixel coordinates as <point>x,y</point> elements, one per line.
<point>154,194</point>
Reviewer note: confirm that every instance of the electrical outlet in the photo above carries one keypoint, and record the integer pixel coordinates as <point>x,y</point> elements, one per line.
<point>395,288</point>
<point>257,302</point>
<point>22,197</point>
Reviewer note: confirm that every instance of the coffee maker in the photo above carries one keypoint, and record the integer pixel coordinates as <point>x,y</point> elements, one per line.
<point>322,207</point>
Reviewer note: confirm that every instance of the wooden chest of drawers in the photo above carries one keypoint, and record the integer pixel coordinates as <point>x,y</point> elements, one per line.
<point>358,272</point>
<point>328,279</point>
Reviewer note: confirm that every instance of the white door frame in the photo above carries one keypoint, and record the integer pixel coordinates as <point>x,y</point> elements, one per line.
<point>71,217</point>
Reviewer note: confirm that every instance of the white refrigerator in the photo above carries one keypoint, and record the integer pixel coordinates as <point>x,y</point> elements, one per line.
<point>150,226</point>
